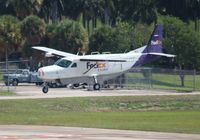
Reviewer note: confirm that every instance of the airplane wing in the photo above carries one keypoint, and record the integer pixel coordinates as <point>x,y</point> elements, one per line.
<point>52,52</point>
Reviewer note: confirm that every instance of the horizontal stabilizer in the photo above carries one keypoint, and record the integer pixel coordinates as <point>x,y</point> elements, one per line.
<point>161,54</point>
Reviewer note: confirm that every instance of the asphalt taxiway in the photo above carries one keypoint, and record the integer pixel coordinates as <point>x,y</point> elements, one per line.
<point>20,132</point>
<point>32,92</point>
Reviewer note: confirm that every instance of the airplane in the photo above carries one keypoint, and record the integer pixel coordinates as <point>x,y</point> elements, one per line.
<point>95,69</point>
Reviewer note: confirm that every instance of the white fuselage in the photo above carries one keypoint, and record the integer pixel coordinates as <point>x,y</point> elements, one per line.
<point>86,68</point>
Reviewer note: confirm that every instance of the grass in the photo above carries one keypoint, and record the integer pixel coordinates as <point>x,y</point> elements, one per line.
<point>164,81</point>
<point>153,113</point>
<point>6,93</point>
<point>173,81</point>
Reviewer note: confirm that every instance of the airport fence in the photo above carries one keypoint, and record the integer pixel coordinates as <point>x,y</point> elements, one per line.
<point>158,78</point>
<point>3,87</point>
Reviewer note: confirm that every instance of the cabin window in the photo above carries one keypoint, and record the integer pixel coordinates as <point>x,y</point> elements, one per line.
<point>74,65</point>
<point>63,63</point>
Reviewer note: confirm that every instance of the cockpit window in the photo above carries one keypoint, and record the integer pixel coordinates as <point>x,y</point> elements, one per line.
<point>63,63</point>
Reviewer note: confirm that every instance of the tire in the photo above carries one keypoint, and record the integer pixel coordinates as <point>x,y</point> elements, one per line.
<point>96,86</point>
<point>15,82</point>
<point>45,89</point>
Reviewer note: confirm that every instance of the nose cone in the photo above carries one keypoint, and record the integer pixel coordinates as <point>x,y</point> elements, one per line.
<point>48,73</point>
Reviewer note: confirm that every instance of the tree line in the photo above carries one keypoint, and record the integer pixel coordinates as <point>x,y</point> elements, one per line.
<point>101,25</point>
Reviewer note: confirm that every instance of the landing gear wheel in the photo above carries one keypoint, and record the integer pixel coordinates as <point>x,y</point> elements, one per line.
<point>45,89</point>
<point>96,86</point>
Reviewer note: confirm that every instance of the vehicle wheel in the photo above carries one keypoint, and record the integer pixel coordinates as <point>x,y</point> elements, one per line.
<point>15,82</point>
<point>96,86</point>
<point>45,89</point>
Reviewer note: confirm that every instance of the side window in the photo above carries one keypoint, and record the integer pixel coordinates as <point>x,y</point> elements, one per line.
<point>63,63</point>
<point>74,65</point>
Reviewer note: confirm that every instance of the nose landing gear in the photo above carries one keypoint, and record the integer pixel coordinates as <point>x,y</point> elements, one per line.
<point>45,88</point>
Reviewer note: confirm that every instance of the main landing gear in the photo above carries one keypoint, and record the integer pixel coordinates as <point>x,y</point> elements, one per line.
<point>96,86</point>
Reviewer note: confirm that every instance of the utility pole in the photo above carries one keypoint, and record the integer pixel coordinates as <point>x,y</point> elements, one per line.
<point>7,72</point>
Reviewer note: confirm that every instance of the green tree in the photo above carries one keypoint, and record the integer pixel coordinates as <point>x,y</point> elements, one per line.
<point>73,12</point>
<point>108,11</point>
<point>141,35</point>
<point>6,9</point>
<point>68,35</point>
<point>123,37</point>
<point>10,36</point>
<point>181,40</point>
<point>51,10</point>
<point>102,40</point>
<point>92,9</point>
<point>194,10</point>
<point>33,30</point>
<point>25,8</point>
<point>184,9</point>
<point>144,11</point>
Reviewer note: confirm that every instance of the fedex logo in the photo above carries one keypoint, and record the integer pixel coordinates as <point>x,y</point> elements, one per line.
<point>99,66</point>
<point>156,40</point>
<point>95,65</point>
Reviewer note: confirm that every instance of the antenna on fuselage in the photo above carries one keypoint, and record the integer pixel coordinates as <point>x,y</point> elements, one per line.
<point>78,51</point>
<point>125,50</point>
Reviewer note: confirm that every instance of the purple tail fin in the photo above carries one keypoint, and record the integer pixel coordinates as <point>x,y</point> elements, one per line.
<point>155,42</point>
<point>154,46</point>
